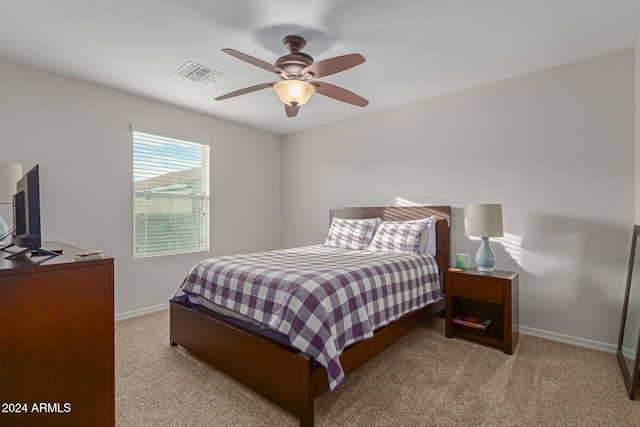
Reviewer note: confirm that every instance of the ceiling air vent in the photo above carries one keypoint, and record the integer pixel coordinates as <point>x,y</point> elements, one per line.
<point>198,73</point>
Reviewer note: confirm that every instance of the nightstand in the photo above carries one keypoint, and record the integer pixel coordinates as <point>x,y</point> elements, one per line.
<point>484,296</point>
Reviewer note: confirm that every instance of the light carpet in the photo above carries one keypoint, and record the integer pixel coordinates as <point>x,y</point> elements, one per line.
<point>425,379</point>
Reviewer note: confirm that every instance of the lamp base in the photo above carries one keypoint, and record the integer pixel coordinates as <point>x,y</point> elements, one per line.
<point>485,258</point>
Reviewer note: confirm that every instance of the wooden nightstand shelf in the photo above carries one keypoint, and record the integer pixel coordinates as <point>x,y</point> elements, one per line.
<point>492,296</point>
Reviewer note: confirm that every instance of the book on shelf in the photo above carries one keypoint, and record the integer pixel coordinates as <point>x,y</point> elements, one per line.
<point>472,322</point>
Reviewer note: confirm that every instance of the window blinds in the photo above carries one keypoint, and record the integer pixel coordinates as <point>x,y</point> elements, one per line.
<point>171,212</point>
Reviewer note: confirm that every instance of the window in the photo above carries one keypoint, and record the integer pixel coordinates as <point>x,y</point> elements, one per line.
<point>170,193</point>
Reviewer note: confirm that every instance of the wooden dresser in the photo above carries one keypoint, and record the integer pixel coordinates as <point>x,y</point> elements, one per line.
<point>56,340</point>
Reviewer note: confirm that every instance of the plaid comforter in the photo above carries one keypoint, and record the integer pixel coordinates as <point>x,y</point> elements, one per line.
<point>322,298</point>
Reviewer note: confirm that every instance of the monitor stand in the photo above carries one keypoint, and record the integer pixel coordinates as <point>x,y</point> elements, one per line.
<point>40,251</point>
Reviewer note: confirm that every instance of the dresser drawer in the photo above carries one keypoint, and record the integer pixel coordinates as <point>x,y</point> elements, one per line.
<point>477,288</point>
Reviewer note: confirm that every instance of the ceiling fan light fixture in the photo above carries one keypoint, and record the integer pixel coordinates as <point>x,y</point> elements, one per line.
<point>294,92</point>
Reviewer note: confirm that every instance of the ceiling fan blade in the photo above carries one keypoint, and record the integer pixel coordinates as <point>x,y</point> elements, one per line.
<point>253,61</point>
<point>245,90</point>
<point>333,65</point>
<point>292,110</point>
<point>340,94</point>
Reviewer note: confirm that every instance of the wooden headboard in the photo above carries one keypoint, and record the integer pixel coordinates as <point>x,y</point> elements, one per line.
<point>406,213</point>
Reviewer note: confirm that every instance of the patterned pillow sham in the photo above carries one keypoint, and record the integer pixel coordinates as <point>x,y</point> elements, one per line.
<point>351,233</point>
<point>399,236</point>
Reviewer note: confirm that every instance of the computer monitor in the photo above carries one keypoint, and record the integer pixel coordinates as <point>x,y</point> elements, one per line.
<point>26,215</point>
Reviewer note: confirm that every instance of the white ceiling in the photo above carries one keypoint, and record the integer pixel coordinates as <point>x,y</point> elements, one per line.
<point>415,49</point>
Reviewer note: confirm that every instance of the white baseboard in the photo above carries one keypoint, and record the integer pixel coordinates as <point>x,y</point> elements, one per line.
<point>609,348</point>
<point>581,342</point>
<point>141,311</point>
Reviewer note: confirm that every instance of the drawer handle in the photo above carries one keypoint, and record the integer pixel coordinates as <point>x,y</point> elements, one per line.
<point>477,279</point>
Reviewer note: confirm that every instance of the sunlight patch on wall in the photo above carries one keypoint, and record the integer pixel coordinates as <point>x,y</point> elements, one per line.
<point>512,244</point>
<point>404,202</point>
<point>530,261</point>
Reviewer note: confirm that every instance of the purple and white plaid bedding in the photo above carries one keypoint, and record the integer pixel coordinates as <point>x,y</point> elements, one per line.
<point>322,298</point>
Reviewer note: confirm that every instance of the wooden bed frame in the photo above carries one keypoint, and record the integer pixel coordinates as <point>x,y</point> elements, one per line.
<point>288,377</point>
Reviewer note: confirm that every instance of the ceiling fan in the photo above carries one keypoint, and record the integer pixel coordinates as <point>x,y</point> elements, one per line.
<point>297,73</point>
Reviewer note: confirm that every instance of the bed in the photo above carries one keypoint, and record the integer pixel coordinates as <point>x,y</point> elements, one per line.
<point>263,360</point>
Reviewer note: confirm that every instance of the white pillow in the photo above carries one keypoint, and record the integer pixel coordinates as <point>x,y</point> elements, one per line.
<point>430,245</point>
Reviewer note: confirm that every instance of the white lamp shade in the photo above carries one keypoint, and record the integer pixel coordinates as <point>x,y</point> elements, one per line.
<point>294,92</point>
<point>10,174</point>
<point>484,220</point>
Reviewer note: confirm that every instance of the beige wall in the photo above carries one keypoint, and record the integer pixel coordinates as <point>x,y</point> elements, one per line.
<point>555,147</point>
<point>80,135</point>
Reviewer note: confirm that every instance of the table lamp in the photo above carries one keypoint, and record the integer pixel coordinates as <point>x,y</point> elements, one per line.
<point>10,174</point>
<point>484,220</point>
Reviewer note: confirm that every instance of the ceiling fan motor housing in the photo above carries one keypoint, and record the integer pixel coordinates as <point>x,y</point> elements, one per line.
<point>293,64</point>
<point>295,61</point>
